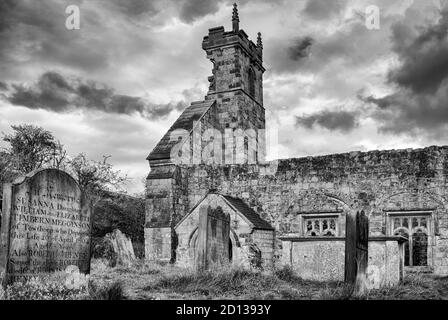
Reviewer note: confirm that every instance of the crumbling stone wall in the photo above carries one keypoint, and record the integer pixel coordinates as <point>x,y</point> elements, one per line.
<point>232,54</point>
<point>265,240</point>
<point>377,182</point>
<point>382,183</point>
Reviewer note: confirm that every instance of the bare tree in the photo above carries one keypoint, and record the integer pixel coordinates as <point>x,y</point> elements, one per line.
<point>5,165</point>
<point>59,156</point>
<point>96,178</point>
<point>32,147</point>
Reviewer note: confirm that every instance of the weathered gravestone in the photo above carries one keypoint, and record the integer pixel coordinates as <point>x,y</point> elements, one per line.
<point>115,247</point>
<point>45,226</point>
<point>213,238</point>
<point>356,250</point>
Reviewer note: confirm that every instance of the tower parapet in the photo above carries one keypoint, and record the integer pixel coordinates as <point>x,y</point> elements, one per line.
<point>237,61</point>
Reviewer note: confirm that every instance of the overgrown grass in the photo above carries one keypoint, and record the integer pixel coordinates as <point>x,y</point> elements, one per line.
<point>414,287</point>
<point>144,280</point>
<point>113,291</point>
<point>217,282</point>
<point>235,283</point>
<point>53,287</point>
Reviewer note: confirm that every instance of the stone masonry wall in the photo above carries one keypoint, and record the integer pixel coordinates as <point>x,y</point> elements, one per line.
<point>377,182</point>
<point>241,235</point>
<point>231,65</point>
<point>265,239</point>
<point>323,260</point>
<point>158,211</point>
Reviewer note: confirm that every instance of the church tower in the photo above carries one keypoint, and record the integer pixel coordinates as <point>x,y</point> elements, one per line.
<point>237,81</point>
<point>232,111</point>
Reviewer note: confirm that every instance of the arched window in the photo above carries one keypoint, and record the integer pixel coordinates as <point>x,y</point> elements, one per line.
<point>414,229</point>
<point>251,80</point>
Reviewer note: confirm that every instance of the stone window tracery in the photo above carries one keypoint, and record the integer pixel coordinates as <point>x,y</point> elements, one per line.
<point>321,226</point>
<point>415,230</point>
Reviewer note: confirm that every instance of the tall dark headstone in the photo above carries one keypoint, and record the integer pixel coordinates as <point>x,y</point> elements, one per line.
<point>213,238</point>
<point>45,226</point>
<point>356,249</point>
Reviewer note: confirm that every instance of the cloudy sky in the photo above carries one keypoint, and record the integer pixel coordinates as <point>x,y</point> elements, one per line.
<point>115,86</point>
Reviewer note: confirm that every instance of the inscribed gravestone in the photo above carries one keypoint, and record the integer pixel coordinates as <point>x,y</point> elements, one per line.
<point>45,226</point>
<point>213,238</point>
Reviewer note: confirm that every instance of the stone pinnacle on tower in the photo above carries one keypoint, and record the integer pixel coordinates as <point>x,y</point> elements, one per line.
<point>259,45</point>
<point>235,19</point>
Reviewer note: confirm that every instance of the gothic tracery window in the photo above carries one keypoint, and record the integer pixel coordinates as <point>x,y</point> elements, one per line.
<point>415,230</point>
<point>321,227</point>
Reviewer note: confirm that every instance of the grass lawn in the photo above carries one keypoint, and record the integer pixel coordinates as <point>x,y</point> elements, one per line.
<point>158,281</point>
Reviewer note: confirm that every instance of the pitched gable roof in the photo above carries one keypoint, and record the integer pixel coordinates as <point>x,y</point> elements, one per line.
<point>185,121</point>
<point>241,208</point>
<point>250,214</point>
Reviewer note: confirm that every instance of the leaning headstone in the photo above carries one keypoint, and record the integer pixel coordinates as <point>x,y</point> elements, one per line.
<point>45,226</point>
<point>356,251</point>
<point>116,248</point>
<point>123,247</point>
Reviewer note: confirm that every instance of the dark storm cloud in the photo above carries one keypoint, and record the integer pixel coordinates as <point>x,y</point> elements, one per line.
<point>3,86</point>
<point>55,93</point>
<point>301,48</point>
<point>424,59</point>
<point>6,6</point>
<point>39,26</point>
<point>420,101</point>
<point>332,120</point>
<point>323,9</point>
<point>405,112</point>
<point>350,46</point>
<point>195,9</point>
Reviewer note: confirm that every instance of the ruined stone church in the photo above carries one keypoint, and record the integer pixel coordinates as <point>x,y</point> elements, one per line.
<point>224,205</point>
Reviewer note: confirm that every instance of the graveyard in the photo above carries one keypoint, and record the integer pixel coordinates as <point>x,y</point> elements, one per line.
<point>47,252</point>
<point>217,220</point>
<point>170,282</point>
<point>145,281</point>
